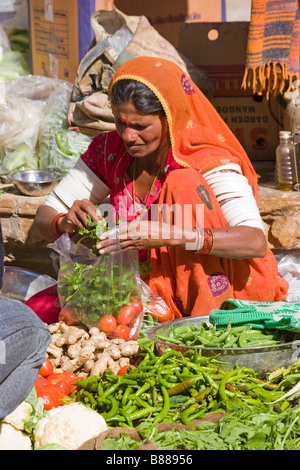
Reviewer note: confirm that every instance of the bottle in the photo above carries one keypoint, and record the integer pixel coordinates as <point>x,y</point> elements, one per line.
<point>287,168</point>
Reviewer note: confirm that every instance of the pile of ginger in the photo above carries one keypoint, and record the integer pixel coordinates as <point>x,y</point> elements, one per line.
<point>88,352</point>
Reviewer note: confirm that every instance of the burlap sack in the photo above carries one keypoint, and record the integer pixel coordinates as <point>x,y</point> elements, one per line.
<point>118,37</point>
<point>97,442</point>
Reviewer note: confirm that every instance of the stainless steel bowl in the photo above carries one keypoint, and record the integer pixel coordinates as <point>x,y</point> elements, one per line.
<point>35,182</point>
<point>261,359</point>
<point>21,284</point>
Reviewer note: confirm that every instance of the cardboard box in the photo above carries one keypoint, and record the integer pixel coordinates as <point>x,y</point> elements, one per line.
<point>167,16</point>
<point>61,34</point>
<point>254,120</point>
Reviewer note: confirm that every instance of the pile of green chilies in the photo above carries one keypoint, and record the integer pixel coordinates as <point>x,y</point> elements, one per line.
<point>209,336</point>
<point>174,387</point>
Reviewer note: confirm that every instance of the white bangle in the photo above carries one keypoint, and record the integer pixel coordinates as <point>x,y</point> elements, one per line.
<point>199,239</point>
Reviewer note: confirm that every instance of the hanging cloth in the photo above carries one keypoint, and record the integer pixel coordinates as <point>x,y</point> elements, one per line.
<point>272,60</point>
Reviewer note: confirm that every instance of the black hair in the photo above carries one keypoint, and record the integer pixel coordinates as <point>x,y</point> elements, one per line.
<point>144,100</point>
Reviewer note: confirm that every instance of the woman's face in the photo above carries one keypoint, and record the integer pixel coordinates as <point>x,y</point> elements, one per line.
<point>142,134</point>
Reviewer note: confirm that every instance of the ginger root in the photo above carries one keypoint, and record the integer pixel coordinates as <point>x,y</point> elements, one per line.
<point>74,349</point>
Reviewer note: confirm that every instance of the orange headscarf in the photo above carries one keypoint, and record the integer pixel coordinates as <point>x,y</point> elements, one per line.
<point>199,137</point>
<point>193,284</point>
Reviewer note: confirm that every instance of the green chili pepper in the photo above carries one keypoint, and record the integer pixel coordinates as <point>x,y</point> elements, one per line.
<point>222,393</point>
<point>142,413</point>
<point>182,386</point>
<point>114,409</point>
<point>163,413</point>
<point>111,389</point>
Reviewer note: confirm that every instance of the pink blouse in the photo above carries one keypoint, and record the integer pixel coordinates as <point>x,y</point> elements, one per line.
<point>109,160</point>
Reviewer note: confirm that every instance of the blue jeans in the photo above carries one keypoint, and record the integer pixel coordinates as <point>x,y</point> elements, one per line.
<point>24,339</point>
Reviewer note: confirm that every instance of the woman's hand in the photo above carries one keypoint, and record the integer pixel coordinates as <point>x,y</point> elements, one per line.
<point>144,235</point>
<point>77,216</point>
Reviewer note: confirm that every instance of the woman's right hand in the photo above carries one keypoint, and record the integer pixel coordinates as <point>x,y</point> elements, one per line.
<point>77,216</point>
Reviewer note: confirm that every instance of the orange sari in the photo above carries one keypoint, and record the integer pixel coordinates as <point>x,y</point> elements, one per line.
<point>193,284</point>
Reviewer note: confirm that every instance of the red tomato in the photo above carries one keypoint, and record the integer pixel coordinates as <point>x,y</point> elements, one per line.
<point>137,304</point>
<point>50,397</point>
<point>126,314</point>
<point>107,324</point>
<point>47,368</point>
<point>64,386</point>
<point>69,316</point>
<point>41,382</point>
<point>160,311</point>
<point>123,369</point>
<point>122,331</point>
<point>67,376</point>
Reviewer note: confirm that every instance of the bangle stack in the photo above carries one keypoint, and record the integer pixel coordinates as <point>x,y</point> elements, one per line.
<point>208,242</point>
<point>53,224</point>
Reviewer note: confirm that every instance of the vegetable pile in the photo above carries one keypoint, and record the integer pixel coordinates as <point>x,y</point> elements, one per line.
<point>88,352</point>
<point>174,388</point>
<point>207,335</point>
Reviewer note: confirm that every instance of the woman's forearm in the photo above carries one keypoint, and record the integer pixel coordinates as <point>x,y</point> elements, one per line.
<point>241,242</point>
<point>42,222</point>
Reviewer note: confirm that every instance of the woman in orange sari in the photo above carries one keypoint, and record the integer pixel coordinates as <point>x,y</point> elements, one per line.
<point>172,151</point>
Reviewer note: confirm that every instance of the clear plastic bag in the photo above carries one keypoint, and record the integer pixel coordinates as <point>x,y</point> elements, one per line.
<point>289,268</point>
<point>22,105</point>
<point>101,291</point>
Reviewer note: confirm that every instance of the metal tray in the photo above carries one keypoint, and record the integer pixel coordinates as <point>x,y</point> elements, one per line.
<point>21,284</point>
<point>261,359</point>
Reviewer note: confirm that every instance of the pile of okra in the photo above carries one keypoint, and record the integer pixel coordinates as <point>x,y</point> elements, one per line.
<point>175,387</point>
<point>209,336</point>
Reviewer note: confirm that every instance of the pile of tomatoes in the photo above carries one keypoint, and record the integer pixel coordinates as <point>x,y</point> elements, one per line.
<point>125,324</point>
<point>54,388</point>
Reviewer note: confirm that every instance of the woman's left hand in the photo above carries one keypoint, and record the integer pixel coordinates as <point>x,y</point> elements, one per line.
<point>144,235</point>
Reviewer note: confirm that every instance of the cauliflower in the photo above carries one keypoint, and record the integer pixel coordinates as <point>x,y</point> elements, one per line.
<point>11,427</point>
<point>69,426</point>
<point>17,417</point>
<point>13,439</point>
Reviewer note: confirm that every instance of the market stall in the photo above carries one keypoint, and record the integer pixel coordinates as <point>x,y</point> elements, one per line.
<point>121,373</point>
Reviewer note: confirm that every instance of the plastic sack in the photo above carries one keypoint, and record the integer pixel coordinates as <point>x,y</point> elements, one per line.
<point>13,63</point>
<point>22,104</point>
<point>19,127</point>
<point>289,268</point>
<point>59,148</point>
<point>102,291</point>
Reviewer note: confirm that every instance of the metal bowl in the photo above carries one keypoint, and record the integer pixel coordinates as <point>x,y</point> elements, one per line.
<point>21,284</point>
<point>261,359</point>
<point>35,182</point>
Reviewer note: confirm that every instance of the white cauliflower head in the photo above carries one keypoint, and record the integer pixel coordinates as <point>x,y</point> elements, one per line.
<point>69,426</point>
<point>13,439</point>
<point>18,417</point>
<point>12,436</point>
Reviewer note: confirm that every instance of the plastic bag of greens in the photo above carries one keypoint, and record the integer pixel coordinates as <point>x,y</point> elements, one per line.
<point>102,291</point>
<point>12,62</point>
<point>59,148</point>
<point>19,128</point>
<point>22,104</point>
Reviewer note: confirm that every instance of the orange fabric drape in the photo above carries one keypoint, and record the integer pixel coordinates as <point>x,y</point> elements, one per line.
<point>192,284</point>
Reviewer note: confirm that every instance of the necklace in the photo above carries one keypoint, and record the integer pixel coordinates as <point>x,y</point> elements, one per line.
<point>151,187</point>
